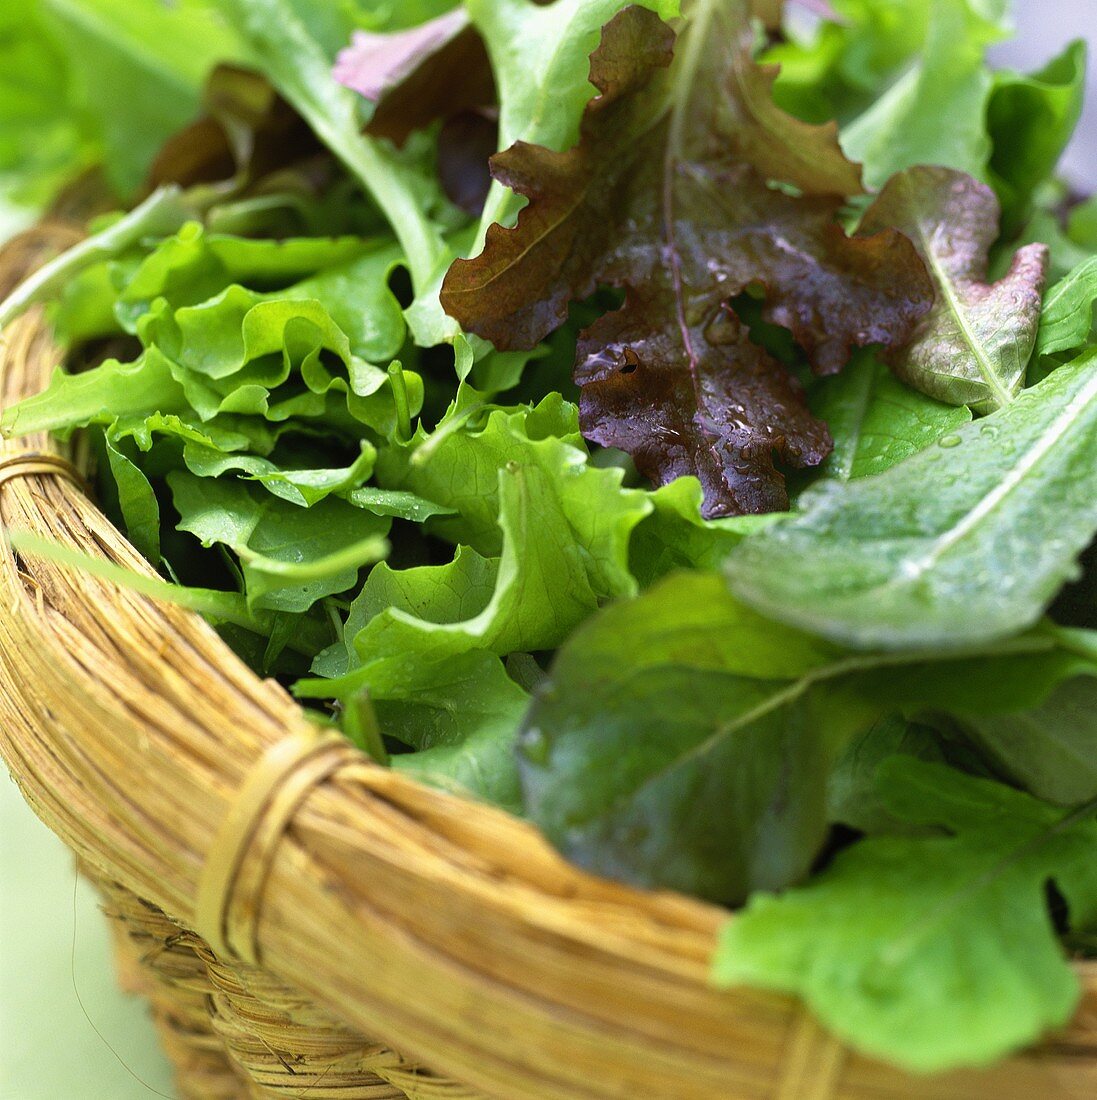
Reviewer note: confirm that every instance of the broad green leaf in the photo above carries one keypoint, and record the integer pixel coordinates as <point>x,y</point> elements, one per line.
<point>853,796</point>
<point>876,421</point>
<point>950,80</point>
<point>545,582</point>
<point>136,501</point>
<point>1030,118</point>
<point>290,556</point>
<point>112,390</point>
<point>964,542</point>
<point>931,951</point>
<point>1066,322</point>
<point>1049,749</point>
<point>462,717</point>
<point>974,344</point>
<point>678,744</point>
<point>683,741</point>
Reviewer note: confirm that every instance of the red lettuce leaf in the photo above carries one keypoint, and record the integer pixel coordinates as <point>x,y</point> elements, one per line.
<point>670,194</point>
<point>416,76</point>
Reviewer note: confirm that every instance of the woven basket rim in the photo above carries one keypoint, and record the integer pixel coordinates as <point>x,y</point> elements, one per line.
<point>385,894</point>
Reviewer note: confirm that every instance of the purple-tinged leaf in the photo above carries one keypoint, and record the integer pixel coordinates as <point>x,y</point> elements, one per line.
<point>973,347</point>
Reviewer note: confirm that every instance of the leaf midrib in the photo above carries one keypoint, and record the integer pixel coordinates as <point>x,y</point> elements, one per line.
<point>792,690</point>
<point>1000,394</point>
<point>1032,457</point>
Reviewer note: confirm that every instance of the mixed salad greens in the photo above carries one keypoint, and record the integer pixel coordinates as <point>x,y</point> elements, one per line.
<point>726,512</point>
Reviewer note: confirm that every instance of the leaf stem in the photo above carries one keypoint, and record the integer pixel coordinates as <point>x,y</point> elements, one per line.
<point>297,66</point>
<point>400,399</point>
<point>225,607</point>
<point>360,720</point>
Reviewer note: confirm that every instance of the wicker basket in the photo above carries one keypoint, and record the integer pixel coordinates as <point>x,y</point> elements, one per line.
<point>277,898</point>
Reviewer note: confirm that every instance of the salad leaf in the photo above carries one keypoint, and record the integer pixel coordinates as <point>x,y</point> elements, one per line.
<point>876,421</point>
<point>696,756</point>
<point>461,463</point>
<point>701,747</point>
<point>84,81</point>
<point>949,80</point>
<point>136,500</point>
<point>1050,749</point>
<point>301,486</point>
<point>194,265</point>
<point>297,66</point>
<point>853,795</point>
<point>1067,318</point>
<point>973,346</point>
<point>671,378</point>
<point>415,76</point>
<point>934,951</point>
<point>290,556</point>
<point>1030,118</point>
<point>853,55</point>
<point>142,388</point>
<point>964,542</point>
<point>462,721</point>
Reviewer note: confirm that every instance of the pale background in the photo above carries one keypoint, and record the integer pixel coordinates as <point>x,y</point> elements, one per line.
<point>48,1048</point>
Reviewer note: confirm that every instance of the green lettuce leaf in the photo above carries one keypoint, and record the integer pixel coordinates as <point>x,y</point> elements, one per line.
<point>461,715</point>
<point>297,484</point>
<point>1030,119</point>
<point>931,951</point>
<point>964,542</point>
<point>876,421</point>
<point>194,265</point>
<point>290,557</point>
<point>1066,323</point>
<point>949,80</point>
<point>683,741</point>
<point>1049,749</point>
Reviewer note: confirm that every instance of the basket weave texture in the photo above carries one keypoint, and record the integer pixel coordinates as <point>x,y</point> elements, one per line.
<point>448,930</point>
